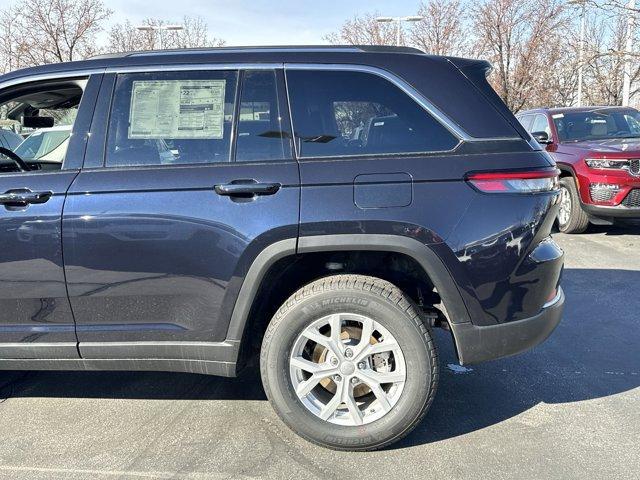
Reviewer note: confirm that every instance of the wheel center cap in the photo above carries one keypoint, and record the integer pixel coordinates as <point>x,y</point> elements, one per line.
<point>347,368</point>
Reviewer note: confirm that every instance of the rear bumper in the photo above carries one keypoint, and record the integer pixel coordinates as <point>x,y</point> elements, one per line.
<point>477,344</point>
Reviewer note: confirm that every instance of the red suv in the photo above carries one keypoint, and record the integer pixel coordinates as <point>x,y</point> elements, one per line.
<point>597,150</point>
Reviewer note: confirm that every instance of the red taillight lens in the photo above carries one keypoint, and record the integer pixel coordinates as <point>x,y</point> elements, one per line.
<point>515,182</point>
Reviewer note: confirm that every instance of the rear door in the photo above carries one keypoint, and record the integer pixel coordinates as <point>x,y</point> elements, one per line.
<point>186,182</point>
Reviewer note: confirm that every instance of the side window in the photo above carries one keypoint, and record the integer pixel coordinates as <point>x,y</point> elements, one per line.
<point>540,124</point>
<point>526,120</point>
<point>263,133</point>
<point>171,118</point>
<point>355,113</point>
<point>44,115</point>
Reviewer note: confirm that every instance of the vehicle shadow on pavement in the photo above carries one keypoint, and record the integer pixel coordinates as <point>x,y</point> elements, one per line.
<point>592,354</point>
<point>615,230</point>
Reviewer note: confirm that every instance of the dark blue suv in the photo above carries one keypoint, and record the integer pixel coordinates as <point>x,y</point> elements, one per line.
<point>326,207</point>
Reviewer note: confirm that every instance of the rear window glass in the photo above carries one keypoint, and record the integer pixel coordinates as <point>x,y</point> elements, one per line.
<point>355,113</point>
<point>263,133</point>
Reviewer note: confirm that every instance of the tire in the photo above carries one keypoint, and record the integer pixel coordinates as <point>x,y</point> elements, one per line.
<point>578,220</point>
<point>394,411</point>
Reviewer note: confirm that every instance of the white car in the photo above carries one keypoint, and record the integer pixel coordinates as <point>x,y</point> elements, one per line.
<point>45,145</point>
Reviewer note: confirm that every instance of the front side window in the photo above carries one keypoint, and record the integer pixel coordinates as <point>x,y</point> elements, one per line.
<point>356,113</point>
<point>171,118</point>
<point>40,119</point>
<point>540,124</point>
<point>526,121</point>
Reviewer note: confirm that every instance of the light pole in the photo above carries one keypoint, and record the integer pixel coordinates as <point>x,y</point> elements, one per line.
<point>399,20</point>
<point>583,15</point>
<point>626,76</point>
<point>159,28</point>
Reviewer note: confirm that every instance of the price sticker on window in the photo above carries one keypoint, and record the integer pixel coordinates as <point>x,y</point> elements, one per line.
<point>177,109</point>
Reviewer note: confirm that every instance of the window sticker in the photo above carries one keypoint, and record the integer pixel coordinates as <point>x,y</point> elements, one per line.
<point>557,115</point>
<point>177,109</point>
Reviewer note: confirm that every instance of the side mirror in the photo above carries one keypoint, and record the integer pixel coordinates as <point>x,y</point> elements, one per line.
<point>542,138</point>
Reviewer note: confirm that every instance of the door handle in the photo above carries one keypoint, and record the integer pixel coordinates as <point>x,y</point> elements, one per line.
<point>246,188</point>
<point>21,198</point>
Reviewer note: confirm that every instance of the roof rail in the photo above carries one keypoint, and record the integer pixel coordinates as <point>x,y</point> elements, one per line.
<point>278,48</point>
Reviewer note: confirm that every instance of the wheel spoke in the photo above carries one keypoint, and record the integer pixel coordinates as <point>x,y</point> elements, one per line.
<point>327,342</point>
<point>307,365</point>
<point>305,387</point>
<point>373,348</point>
<point>348,399</point>
<point>382,377</point>
<point>365,336</point>
<point>315,336</point>
<point>335,321</point>
<point>318,372</point>
<point>378,391</point>
<point>330,407</point>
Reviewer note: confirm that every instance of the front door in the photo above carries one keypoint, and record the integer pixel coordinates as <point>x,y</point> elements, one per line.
<point>35,315</point>
<point>194,178</point>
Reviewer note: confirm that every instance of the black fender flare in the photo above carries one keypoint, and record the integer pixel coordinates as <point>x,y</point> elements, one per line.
<point>421,253</point>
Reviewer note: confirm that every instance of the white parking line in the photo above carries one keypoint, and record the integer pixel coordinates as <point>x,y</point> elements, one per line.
<point>109,473</point>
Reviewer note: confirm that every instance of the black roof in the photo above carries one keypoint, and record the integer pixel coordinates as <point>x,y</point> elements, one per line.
<point>451,84</point>
<point>273,54</point>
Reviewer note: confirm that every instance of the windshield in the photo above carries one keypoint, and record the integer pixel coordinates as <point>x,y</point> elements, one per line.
<point>597,124</point>
<point>43,145</point>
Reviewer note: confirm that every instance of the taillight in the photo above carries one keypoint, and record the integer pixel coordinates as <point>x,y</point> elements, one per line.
<point>533,181</point>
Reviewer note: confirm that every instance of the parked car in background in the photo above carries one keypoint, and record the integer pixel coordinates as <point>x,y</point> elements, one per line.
<point>9,139</point>
<point>321,209</point>
<point>597,150</point>
<point>45,146</point>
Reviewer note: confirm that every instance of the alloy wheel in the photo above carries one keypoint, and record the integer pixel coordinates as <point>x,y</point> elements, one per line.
<point>347,369</point>
<point>564,212</point>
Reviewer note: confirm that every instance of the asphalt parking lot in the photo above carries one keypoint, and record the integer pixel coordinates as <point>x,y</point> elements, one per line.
<point>568,409</point>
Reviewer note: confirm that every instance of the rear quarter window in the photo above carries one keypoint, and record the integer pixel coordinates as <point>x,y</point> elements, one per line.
<point>344,113</point>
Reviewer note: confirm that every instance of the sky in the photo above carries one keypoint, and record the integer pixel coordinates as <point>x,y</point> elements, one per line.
<point>261,22</point>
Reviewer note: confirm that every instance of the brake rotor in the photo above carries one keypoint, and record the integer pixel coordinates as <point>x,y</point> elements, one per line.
<point>349,335</point>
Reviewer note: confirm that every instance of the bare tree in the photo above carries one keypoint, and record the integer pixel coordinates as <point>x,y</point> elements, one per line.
<point>365,30</point>
<point>125,37</point>
<point>11,56</point>
<point>442,31</point>
<point>514,37</point>
<point>47,31</point>
<point>605,57</point>
<point>559,85</point>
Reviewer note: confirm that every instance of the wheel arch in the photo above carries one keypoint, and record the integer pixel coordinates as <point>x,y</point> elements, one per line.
<point>422,254</point>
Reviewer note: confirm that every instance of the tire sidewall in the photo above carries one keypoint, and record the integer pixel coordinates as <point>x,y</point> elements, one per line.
<point>277,382</point>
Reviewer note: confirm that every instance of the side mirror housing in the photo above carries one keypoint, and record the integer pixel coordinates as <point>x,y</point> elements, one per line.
<point>542,138</point>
